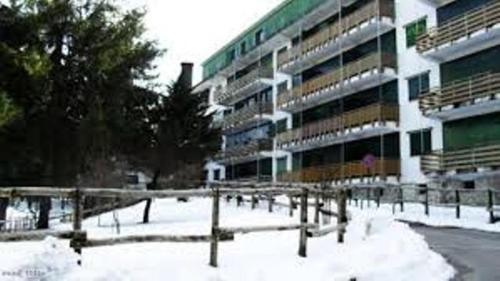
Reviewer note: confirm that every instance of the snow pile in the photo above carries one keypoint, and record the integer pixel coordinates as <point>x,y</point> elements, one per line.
<point>376,248</point>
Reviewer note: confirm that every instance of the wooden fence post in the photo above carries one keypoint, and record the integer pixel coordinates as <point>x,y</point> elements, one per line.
<point>254,201</point>
<point>426,204</point>
<point>342,214</point>
<point>316,208</point>
<point>368,198</point>
<point>401,200</point>
<point>292,206</point>
<point>303,222</point>
<point>457,201</point>
<point>270,206</point>
<point>76,240</point>
<point>490,206</point>
<point>379,194</point>
<point>215,228</point>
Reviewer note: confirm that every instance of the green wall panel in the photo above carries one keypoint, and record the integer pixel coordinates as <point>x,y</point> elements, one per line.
<point>285,15</point>
<point>472,132</point>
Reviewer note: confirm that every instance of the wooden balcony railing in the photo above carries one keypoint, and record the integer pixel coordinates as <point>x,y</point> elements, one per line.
<point>486,156</point>
<point>249,149</point>
<point>350,170</point>
<point>464,25</point>
<point>481,86</point>
<point>373,61</point>
<point>330,34</point>
<point>337,124</point>
<point>247,113</point>
<point>264,72</point>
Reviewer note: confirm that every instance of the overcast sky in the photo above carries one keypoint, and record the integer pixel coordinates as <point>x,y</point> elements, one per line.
<point>192,30</point>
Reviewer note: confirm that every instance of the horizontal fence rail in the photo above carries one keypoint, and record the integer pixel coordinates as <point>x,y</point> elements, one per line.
<point>79,239</point>
<point>459,27</point>
<point>461,92</point>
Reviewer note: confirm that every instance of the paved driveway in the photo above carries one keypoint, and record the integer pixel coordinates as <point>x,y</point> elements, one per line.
<point>474,254</point>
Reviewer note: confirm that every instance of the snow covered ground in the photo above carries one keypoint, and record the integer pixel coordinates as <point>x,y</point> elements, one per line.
<point>376,248</point>
<point>470,218</point>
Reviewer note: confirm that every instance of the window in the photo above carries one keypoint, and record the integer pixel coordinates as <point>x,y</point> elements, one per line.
<point>243,48</point>
<point>469,185</point>
<point>281,126</point>
<point>216,175</point>
<point>281,165</point>
<point>282,88</point>
<point>259,37</point>
<point>231,55</point>
<point>417,85</point>
<point>415,29</point>
<point>420,142</point>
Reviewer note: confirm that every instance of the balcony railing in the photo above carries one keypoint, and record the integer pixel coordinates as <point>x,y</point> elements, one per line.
<point>241,151</point>
<point>459,27</point>
<point>461,92</point>
<point>338,124</point>
<point>487,156</point>
<point>235,87</point>
<point>350,170</point>
<point>333,79</point>
<point>247,114</point>
<point>330,34</point>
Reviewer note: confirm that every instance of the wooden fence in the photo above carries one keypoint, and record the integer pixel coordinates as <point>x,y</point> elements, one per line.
<point>79,239</point>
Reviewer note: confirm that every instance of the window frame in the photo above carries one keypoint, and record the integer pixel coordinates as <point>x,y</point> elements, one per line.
<point>423,150</point>
<point>413,42</point>
<point>421,89</point>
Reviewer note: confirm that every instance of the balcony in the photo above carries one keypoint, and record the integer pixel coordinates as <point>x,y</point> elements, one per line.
<point>476,30</point>
<point>253,82</point>
<point>248,115</point>
<point>367,72</point>
<point>439,3</point>
<point>354,29</point>
<point>476,95</point>
<point>481,159</point>
<point>251,151</point>
<point>364,122</point>
<point>347,172</point>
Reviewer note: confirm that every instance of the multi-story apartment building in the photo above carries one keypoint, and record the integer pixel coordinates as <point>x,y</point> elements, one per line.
<point>361,91</point>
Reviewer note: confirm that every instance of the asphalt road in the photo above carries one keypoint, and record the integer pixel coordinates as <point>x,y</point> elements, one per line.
<point>474,254</point>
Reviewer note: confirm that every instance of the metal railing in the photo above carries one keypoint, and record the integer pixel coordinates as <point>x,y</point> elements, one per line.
<point>233,88</point>
<point>247,113</point>
<point>484,85</point>
<point>350,170</point>
<point>330,34</point>
<point>351,119</point>
<point>477,19</point>
<point>464,159</point>
<point>370,62</point>
<point>250,149</point>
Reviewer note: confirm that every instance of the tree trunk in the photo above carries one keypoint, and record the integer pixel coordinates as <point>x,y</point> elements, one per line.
<point>150,186</point>
<point>43,219</point>
<point>4,203</point>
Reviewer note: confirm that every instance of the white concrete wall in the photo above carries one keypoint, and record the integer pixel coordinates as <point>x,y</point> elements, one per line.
<point>210,167</point>
<point>410,64</point>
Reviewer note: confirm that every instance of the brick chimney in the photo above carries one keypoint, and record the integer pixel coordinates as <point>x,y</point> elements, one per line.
<point>186,76</point>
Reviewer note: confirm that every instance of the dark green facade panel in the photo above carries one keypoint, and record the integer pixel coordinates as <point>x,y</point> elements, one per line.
<point>472,132</point>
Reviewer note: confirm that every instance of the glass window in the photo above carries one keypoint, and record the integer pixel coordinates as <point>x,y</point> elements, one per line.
<point>281,165</point>
<point>216,175</point>
<point>415,29</point>
<point>282,88</point>
<point>281,126</point>
<point>417,85</point>
<point>420,142</point>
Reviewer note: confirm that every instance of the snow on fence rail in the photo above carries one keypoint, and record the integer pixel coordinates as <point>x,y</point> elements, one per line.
<point>79,239</point>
